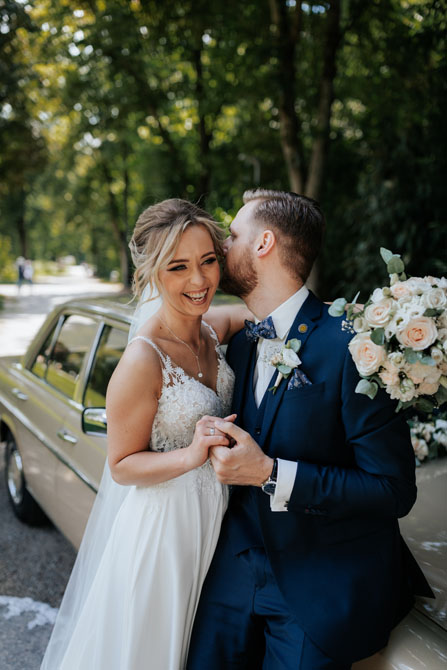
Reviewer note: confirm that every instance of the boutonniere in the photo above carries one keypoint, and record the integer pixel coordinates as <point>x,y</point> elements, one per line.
<point>285,361</point>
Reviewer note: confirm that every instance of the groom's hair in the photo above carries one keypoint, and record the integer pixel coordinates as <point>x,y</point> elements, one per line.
<point>298,222</point>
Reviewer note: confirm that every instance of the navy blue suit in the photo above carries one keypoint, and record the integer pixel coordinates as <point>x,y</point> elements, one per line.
<point>337,555</point>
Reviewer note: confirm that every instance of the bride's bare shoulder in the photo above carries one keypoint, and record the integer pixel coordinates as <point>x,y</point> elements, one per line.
<point>227,320</point>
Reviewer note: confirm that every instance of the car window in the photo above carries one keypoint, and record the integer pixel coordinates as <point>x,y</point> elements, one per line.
<point>111,346</point>
<point>39,366</point>
<point>72,345</point>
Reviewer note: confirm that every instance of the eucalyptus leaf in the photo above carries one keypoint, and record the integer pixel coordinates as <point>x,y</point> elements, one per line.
<point>378,336</point>
<point>432,311</point>
<point>338,307</point>
<point>428,360</point>
<point>412,356</point>
<point>353,302</point>
<point>284,369</point>
<point>424,405</point>
<point>441,396</point>
<point>386,254</point>
<point>367,388</point>
<point>294,344</point>
<point>395,266</point>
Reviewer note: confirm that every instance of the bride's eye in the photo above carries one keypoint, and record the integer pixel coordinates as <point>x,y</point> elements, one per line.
<point>209,261</point>
<point>177,267</point>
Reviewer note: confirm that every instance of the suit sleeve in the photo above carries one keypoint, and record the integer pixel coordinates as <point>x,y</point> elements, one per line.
<point>381,482</point>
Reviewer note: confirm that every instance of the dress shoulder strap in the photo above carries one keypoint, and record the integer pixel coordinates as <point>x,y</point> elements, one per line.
<point>153,345</point>
<point>212,333</point>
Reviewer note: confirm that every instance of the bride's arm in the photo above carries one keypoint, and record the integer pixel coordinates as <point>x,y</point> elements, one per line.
<point>227,320</point>
<point>132,402</point>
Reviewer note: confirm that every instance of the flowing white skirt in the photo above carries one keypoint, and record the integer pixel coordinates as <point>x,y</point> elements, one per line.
<point>140,609</point>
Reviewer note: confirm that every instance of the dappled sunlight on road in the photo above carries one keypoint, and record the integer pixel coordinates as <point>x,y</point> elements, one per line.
<point>24,311</point>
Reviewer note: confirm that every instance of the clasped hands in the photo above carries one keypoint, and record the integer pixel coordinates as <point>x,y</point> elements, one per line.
<point>244,463</point>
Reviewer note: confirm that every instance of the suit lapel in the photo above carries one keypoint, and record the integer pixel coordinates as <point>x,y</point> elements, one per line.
<point>244,374</point>
<point>306,320</point>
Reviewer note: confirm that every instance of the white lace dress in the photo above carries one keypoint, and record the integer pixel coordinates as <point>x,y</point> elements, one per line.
<point>140,609</point>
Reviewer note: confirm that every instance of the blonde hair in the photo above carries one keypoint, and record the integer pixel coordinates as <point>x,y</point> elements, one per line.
<point>157,234</point>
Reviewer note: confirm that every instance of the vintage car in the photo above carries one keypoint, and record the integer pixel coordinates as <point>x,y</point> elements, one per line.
<point>53,428</point>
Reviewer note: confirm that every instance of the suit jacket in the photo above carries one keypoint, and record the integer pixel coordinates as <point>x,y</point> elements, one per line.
<point>337,553</point>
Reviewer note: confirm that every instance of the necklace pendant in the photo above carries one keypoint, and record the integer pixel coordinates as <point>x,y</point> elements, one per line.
<point>200,375</point>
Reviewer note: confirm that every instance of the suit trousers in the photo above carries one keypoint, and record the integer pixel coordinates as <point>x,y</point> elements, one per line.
<point>243,622</point>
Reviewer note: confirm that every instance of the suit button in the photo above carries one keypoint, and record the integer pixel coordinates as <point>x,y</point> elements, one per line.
<point>257,431</point>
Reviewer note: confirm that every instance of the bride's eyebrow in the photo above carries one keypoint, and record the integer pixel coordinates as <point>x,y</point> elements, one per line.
<point>185,260</point>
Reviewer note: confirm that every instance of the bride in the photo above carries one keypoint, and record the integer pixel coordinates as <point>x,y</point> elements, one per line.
<point>133,593</point>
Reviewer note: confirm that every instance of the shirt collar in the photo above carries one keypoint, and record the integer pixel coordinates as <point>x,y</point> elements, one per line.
<point>284,315</point>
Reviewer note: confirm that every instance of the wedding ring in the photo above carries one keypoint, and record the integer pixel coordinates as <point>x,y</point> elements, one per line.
<point>212,431</point>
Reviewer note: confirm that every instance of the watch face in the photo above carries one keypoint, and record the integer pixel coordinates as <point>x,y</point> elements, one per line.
<point>269,488</point>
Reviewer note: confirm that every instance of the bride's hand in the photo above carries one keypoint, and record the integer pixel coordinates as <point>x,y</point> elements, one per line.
<point>206,435</point>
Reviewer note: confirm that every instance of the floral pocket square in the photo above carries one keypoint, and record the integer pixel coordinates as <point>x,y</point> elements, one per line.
<point>298,379</point>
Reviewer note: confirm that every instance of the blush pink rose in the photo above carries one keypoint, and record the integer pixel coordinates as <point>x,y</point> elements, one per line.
<point>379,313</point>
<point>367,356</point>
<point>418,334</point>
<point>401,291</point>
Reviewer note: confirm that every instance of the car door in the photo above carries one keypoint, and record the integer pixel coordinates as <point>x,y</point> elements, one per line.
<point>76,486</point>
<point>61,368</point>
<point>40,415</point>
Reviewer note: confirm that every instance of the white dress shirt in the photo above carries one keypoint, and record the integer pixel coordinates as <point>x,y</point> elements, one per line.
<point>283,318</point>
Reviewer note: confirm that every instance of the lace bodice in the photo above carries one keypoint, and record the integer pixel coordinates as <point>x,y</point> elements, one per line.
<point>184,400</point>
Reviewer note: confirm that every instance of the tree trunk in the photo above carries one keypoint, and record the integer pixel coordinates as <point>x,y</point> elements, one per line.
<point>326,96</point>
<point>203,185</point>
<point>117,229</point>
<point>287,36</point>
<point>20,221</point>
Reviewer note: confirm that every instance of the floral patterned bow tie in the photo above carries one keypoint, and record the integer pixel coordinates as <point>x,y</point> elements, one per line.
<point>264,329</point>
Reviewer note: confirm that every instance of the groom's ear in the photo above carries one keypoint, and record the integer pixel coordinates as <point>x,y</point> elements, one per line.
<point>265,243</point>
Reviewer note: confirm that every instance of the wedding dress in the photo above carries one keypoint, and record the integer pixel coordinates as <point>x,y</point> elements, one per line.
<point>140,608</point>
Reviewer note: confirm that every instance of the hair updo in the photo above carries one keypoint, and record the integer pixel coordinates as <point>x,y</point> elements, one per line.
<point>157,235</point>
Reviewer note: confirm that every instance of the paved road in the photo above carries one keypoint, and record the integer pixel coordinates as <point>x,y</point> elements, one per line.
<point>24,312</point>
<point>35,563</point>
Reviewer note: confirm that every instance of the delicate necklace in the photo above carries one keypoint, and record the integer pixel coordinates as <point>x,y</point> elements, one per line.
<point>196,355</point>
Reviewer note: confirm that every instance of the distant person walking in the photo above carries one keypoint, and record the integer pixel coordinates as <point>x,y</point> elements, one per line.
<point>28,272</point>
<point>20,265</point>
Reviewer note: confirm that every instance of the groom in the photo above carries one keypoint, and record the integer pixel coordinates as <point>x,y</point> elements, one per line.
<point>310,571</point>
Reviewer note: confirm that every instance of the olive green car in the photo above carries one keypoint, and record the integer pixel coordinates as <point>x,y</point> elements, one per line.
<point>53,427</point>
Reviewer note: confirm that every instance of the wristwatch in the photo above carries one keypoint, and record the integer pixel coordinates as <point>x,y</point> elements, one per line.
<point>269,486</point>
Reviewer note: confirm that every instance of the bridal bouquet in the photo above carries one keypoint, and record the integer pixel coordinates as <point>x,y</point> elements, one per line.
<point>401,338</point>
<point>429,438</point>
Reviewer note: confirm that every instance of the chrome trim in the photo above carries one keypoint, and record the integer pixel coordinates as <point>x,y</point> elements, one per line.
<point>39,436</point>
<point>19,394</point>
<point>67,437</point>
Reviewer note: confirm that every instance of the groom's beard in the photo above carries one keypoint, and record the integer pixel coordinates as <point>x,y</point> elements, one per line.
<point>241,279</point>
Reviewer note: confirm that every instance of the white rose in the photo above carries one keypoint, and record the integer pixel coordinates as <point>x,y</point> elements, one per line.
<point>397,358</point>
<point>418,373</point>
<point>442,334</point>
<point>436,298</point>
<point>440,437</point>
<point>377,295</point>
<point>418,334</point>
<point>441,424</point>
<point>420,448</point>
<point>437,355</point>
<point>417,285</point>
<point>290,358</point>
<point>401,291</point>
<point>389,374</point>
<point>379,313</point>
<point>367,356</point>
<point>441,282</point>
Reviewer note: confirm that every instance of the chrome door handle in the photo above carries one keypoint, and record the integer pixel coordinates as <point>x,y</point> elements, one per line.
<point>19,394</point>
<point>67,437</point>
